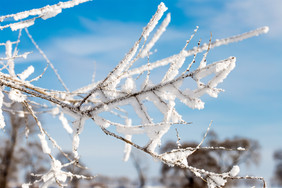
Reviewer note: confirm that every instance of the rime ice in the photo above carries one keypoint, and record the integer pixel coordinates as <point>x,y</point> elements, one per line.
<point>127,86</point>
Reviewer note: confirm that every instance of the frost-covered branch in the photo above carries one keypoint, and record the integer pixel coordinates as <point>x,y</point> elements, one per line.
<point>44,13</point>
<point>123,89</point>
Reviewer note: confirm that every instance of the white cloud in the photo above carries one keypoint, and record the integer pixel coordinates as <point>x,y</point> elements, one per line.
<point>102,37</point>
<point>254,13</point>
<point>106,36</point>
<point>238,16</point>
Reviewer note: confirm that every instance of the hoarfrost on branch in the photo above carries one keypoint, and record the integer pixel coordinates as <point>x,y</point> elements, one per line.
<point>118,90</point>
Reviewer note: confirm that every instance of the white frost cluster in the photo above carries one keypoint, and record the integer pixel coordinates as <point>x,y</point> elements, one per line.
<point>51,13</point>
<point>16,96</point>
<point>154,21</point>
<point>241,149</point>
<point>75,145</point>
<point>127,147</point>
<point>156,37</point>
<point>21,25</point>
<point>178,156</point>
<point>65,123</point>
<point>101,122</point>
<point>55,174</point>
<point>234,171</point>
<point>78,126</point>
<point>219,180</point>
<point>44,144</point>
<point>26,73</point>
<point>129,85</point>
<point>216,181</point>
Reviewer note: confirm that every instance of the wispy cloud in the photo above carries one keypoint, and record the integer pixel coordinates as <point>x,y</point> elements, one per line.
<point>237,15</point>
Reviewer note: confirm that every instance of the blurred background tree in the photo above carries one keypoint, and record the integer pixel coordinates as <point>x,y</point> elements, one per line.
<point>277,178</point>
<point>210,160</point>
<point>19,156</point>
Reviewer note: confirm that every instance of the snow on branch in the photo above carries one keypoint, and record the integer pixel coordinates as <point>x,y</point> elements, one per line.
<point>44,13</point>
<point>216,43</point>
<point>124,91</point>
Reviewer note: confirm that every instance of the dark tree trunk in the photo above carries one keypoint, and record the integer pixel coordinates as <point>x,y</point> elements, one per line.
<point>9,152</point>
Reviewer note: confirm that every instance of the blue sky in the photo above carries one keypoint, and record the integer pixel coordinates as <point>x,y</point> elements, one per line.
<point>102,31</point>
